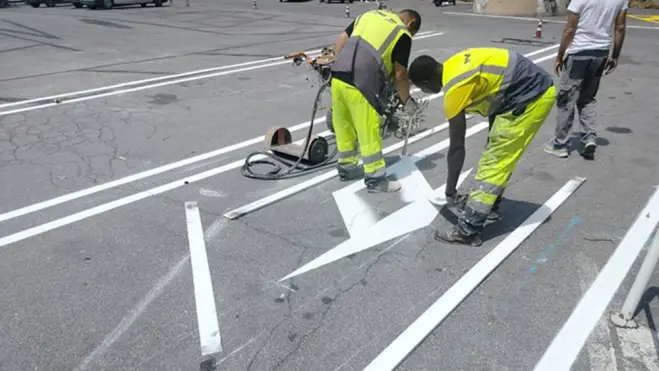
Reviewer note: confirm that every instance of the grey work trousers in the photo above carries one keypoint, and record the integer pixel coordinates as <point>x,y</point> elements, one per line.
<point>579,83</point>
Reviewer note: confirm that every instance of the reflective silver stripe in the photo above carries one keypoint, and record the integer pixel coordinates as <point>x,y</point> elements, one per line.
<point>478,207</point>
<point>489,188</point>
<point>390,38</point>
<point>487,68</point>
<point>348,154</point>
<point>372,158</point>
<point>382,172</point>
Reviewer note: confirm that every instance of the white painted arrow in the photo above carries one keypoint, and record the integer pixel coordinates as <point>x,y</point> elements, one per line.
<point>358,216</point>
<point>416,215</point>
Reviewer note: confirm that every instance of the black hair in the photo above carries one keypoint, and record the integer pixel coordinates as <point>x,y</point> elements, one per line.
<point>415,16</point>
<point>423,69</point>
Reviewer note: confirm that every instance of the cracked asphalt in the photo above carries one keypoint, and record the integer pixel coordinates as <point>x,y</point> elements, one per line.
<point>102,281</point>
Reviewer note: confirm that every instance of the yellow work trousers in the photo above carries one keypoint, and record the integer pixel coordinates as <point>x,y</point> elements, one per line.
<point>355,120</point>
<point>509,137</point>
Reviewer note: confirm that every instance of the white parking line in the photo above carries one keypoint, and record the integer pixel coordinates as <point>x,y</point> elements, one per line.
<point>407,341</point>
<point>117,89</point>
<point>566,346</point>
<point>155,171</point>
<point>209,329</point>
<point>147,81</point>
<point>285,193</point>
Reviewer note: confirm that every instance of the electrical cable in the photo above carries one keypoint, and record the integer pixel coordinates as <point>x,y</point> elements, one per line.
<point>276,161</point>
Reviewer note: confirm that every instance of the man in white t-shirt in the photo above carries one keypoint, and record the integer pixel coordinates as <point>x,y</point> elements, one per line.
<point>592,25</point>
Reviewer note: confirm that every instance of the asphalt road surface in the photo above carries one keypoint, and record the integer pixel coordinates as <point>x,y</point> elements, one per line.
<point>104,267</point>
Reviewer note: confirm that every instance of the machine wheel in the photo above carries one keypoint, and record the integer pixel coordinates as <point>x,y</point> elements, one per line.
<point>143,5</point>
<point>328,121</point>
<point>92,7</point>
<point>318,150</point>
<point>77,5</point>
<point>158,3</point>
<point>34,5</point>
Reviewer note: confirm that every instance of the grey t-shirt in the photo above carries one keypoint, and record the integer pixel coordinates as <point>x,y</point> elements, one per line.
<point>596,21</point>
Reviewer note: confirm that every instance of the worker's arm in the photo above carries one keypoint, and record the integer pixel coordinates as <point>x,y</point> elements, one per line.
<point>618,39</point>
<point>402,82</point>
<point>457,127</point>
<point>400,56</point>
<point>568,34</point>
<point>345,35</point>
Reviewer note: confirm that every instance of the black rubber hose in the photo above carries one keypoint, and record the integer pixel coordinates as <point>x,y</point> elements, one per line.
<point>276,162</point>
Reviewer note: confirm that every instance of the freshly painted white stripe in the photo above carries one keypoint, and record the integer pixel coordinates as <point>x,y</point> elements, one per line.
<point>355,212</point>
<point>148,81</point>
<point>564,349</point>
<point>209,328</point>
<point>414,216</point>
<point>406,342</point>
<point>357,215</point>
<point>275,197</point>
<point>544,20</point>
<point>151,83</point>
<point>19,236</point>
<point>164,168</point>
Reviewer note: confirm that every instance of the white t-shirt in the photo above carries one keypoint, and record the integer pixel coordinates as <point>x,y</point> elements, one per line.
<point>596,21</point>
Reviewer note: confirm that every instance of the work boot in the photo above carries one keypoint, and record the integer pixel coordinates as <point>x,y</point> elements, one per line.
<point>456,238</point>
<point>589,146</point>
<point>556,150</point>
<point>383,186</point>
<point>349,173</point>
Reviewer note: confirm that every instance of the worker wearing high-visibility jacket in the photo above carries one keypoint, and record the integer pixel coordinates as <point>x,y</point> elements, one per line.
<point>372,53</point>
<point>515,94</point>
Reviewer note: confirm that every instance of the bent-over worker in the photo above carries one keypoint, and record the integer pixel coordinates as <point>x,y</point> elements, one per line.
<point>515,94</point>
<point>371,52</point>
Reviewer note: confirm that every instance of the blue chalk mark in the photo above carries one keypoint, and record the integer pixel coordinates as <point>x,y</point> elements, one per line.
<point>543,257</point>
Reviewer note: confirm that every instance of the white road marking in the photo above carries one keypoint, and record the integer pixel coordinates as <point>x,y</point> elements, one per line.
<point>544,20</point>
<point>357,215</point>
<point>157,289</point>
<point>406,342</point>
<point>168,167</point>
<point>128,321</point>
<point>414,216</point>
<point>266,201</point>
<point>567,344</point>
<point>420,37</point>
<point>122,88</point>
<point>601,353</point>
<point>149,81</point>
<point>209,329</point>
<point>30,232</point>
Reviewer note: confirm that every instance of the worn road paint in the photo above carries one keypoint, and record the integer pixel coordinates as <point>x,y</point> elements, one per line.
<point>406,342</point>
<point>546,252</point>
<point>565,347</point>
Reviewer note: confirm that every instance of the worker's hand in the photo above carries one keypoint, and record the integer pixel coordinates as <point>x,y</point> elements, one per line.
<point>558,65</point>
<point>610,65</point>
<point>411,106</point>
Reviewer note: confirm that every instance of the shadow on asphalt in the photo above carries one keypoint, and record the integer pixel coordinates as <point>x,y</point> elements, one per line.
<point>513,215</point>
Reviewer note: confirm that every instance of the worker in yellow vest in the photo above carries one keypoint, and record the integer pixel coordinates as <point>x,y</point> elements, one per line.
<point>515,94</point>
<point>371,53</point>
